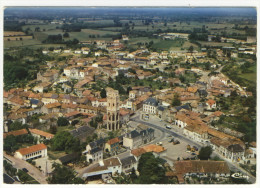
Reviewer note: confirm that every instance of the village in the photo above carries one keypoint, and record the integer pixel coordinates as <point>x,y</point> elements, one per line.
<point>100,108</point>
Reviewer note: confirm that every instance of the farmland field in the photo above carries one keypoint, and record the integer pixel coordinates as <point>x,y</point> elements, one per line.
<point>250,76</point>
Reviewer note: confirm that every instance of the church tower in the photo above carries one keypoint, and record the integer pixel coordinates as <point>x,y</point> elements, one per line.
<point>112,109</point>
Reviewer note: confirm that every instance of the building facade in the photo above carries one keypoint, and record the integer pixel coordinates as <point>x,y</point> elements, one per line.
<point>32,152</point>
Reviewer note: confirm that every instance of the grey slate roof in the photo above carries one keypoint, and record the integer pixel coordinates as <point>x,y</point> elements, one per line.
<point>68,158</point>
<point>82,130</point>
<point>95,150</point>
<point>235,148</point>
<point>151,101</point>
<point>128,160</point>
<point>160,108</point>
<point>34,101</point>
<point>134,134</point>
<point>97,143</point>
<point>186,106</point>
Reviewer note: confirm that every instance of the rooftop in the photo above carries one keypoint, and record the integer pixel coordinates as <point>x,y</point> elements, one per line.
<point>32,149</point>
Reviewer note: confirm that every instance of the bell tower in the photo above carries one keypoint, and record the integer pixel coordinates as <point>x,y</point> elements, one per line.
<point>112,109</point>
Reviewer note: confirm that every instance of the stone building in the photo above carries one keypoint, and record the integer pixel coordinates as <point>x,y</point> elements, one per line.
<point>113,122</point>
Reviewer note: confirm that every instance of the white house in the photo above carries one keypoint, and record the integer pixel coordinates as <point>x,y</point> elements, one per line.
<point>95,155</point>
<point>32,152</point>
<point>150,106</point>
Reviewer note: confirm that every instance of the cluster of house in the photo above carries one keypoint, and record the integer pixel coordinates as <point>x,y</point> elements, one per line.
<point>116,165</point>
<point>131,140</point>
<point>35,151</point>
<point>184,170</point>
<point>195,117</point>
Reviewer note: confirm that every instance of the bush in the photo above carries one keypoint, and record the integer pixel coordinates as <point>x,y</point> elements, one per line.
<point>62,121</point>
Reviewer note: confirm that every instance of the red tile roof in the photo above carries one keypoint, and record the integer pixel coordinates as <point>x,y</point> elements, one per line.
<point>32,149</point>
<point>113,141</point>
<point>41,133</point>
<point>16,133</point>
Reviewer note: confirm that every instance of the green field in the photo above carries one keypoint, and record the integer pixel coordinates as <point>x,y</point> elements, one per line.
<point>250,76</point>
<point>167,44</point>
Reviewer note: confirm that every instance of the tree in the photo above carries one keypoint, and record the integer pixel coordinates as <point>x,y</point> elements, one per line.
<point>53,129</point>
<point>64,141</point>
<point>176,100</point>
<point>191,48</point>
<point>205,152</point>
<point>151,170</point>
<point>66,35</point>
<point>62,121</point>
<point>103,93</point>
<point>64,175</point>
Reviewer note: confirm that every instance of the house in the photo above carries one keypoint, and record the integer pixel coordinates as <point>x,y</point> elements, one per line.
<point>95,155</point>
<point>132,140</point>
<point>16,133</point>
<point>111,166</point>
<point>185,169</point>
<point>41,134</point>
<point>128,164</point>
<point>150,106</point>
<point>32,152</point>
<point>231,148</point>
<point>158,151</point>
<point>51,108</point>
<point>98,143</point>
<point>211,104</point>
<point>112,145</point>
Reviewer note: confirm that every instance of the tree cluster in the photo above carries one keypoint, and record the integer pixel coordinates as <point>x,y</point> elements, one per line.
<point>63,175</point>
<point>64,141</point>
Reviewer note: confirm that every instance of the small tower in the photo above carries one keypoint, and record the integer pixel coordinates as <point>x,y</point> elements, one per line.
<point>112,110</point>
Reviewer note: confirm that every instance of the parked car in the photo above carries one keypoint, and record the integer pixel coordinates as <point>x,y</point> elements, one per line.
<point>168,127</point>
<point>172,140</point>
<point>195,148</point>
<point>176,142</point>
<point>159,143</point>
<point>193,153</point>
<point>25,170</point>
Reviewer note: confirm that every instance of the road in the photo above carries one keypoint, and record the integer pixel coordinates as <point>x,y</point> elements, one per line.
<point>136,118</point>
<point>158,125</point>
<point>33,171</point>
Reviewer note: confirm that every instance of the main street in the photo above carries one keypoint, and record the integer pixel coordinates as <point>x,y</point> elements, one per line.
<point>155,123</point>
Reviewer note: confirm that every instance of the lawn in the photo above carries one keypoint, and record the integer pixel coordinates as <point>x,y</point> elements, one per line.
<point>55,154</point>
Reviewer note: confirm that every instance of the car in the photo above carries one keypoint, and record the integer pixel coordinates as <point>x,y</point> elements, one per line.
<point>168,127</point>
<point>195,148</point>
<point>176,142</point>
<point>25,170</point>
<point>159,143</point>
<point>193,153</point>
<point>172,140</point>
